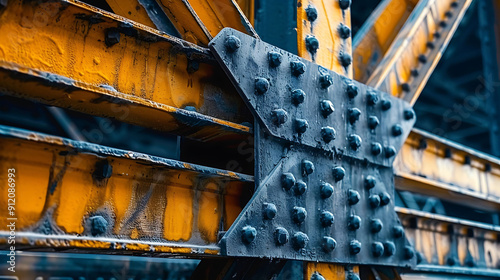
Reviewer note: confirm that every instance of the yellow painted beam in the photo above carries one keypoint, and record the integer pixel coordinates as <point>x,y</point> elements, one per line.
<point>133,10</point>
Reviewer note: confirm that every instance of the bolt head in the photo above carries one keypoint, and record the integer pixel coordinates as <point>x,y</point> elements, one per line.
<point>338,173</point>
<point>300,240</point>
<point>408,114</point>
<point>351,90</point>
<point>389,151</point>
<point>344,4</point>
<point>311,13</point>
<point>328,244</point>
<point>261,85</point>
<point>281,236</point>
<point>386,104</point>
<point>371,98</point>
<point>98,225</point>
<point>422,58</point>
<point>398,232</point>
<point>287,181</point>
<point>326,219</point>
<point>300,188</point>
<point>298,68</point>
<point>328,134</point>
<point>352,276</point>
<point>312,44</point>
<point>317,276</point>
<point>354,247</point>
<point>326,190</point>
<point>279,116</point>
<point>370,182</point>
<point>376,148</point>
<point>385,198</point>
<point>377,249</point>
<point>325,81</point>
<point>396,130</point>
<point>389,248</point>
<point>301,125</point>
<point>298,97</point>
<point>353,114</point>
<point>344,31</point>
<point>405,87</point>
<point>373,122</point>
<point>248,234</point>
<point>375,225</point>
<point>274,58</point>
<point>232,43</point>
<point>354,222</point>
<point>345,59</point>
<point>269,211</point>
<point>374,201</point>
<point>408,253</point>
<point>112,37</point>
<point>326,107</point>
<point>299,214</point>
<point>103,170</point>
<point>354,142</point>
<point>352,197</point>
<point>307,167</point>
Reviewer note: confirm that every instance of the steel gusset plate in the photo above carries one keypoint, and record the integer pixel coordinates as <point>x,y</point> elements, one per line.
<point>324,151</point>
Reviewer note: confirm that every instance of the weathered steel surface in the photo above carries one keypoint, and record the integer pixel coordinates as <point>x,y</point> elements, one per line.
<point>321,195</point>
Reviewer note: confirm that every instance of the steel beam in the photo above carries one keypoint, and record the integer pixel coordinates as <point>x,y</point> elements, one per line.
<point>80,196</point>
<point>69,54</point>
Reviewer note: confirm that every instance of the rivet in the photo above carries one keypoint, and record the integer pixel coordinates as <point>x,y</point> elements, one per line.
<point>301,125</point>
<point>422,144</point>
<point>298,96</point>
<point>408,114</point>
<point>279,116</point>
<point>328,244</point>
<point>354,222</point>
<point>385,198</point>
<point>298,68</point>
<point>396,130</point>
<point>328,134</point>
<point>398,231</point>
<point>287,181</point>
<point>374,200</point>
<point>344,31</point>
<point>431,45</point>
<point>447,153</point>
<point>351,90</point>
<point>344,4</point>
<point>326,107</point>
<point>353,115</point>
<point>451,261</point>
<point>317,276</point>
<point>386,105</point>
<point>300,188</point>
<point>269,211</point>
<point>373,122</point>
<point>448,14</point>
<point>389,151</point>
<point>389,248</point>
<point>326,219</point>
<point>311,13</point>
<point>103,170</point>
<point>274,59</point>
<point>377,249</point>
<point>261,85</point>
<point>338,173</point>
<point>376,148</point>
<point>408,252</point>
<point>352,197</point>
<point>326,190</point>
<point>375,225</point>
<point>405,87</point>
<point>307,167</point>
<point>370,182</point>
<point>414,72</point>
<point>232,43</point>
<point>436,35</point>
<point>325,81</point>
<point>354,141</point>
<point>312,44</point>
<point>299,214</point>
<point>352,276</point>
<point>112,37</point>
<point>281,236</point>
<point>422,58</point>
<point>98,225</point>
<point>354,247</point>
<point>443,24</point>
<point>454,4</point>
<point>248,234</point>
<point>345,59</point>
<point>371,98</point>
<point>300,240</point>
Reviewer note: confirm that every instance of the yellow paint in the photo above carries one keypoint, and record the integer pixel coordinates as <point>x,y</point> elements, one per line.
<point>209,213</point>
<point>211,252</point>
<point>173,250</point>
<point>131,10</point>
<point>232,203</point>
<point>178,217</point>
<point>325,29</point>
<point>328,271</point>
<point>94,244</point>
